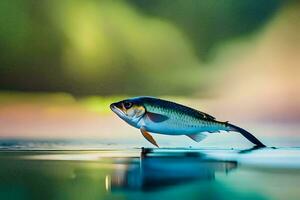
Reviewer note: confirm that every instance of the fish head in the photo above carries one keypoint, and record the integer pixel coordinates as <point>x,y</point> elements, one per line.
<point>130,110</point>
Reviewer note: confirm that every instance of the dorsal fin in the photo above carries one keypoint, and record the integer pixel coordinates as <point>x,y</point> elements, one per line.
<point>206,116</point>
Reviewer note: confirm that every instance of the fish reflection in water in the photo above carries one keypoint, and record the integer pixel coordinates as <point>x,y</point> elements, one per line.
<point>158,169</point>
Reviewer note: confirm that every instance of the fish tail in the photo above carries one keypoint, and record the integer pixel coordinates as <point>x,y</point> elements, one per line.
<point>246,134</point>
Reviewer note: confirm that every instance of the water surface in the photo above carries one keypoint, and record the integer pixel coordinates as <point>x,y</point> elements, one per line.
<point>150,174</point>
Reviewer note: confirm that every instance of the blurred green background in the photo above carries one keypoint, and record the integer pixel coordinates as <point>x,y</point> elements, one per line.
<point>123,47</point>
<point>63,60</point>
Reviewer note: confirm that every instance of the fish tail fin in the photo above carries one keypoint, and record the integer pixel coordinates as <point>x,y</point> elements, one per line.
<point>246,134</point>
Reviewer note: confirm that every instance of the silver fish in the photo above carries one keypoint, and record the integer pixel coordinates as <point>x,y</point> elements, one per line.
<point>160,116</point>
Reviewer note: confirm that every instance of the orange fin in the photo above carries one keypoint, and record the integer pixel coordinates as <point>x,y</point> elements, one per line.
<point>148,137</point>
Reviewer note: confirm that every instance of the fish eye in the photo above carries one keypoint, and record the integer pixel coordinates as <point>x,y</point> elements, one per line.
<point>127,105</point>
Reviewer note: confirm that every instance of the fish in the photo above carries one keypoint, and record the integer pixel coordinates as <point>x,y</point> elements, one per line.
<point>159,116</point>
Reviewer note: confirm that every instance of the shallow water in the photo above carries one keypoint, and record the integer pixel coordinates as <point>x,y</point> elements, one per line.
<point>150,174</point>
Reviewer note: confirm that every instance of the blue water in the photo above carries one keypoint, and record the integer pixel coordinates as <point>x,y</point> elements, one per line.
<point>89,169</point>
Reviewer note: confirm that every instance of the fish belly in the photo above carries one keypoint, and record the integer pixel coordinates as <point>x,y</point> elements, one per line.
<point>172,127</point>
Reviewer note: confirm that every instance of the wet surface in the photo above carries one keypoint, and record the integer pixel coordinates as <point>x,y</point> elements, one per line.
<point>151,174</point>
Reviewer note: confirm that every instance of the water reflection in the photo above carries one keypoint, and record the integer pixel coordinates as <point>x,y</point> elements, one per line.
<point>151,174</point>
<point>158,169</point>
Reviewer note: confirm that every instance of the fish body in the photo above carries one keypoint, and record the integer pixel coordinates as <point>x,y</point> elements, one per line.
<point>160,116</point>
<point>170,118</point>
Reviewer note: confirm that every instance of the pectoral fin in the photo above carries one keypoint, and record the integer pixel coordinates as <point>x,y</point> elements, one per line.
<point>148,137</point>
<point>155,117</point>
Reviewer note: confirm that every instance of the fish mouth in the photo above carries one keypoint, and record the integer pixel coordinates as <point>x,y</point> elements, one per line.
<point>114,107</point>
